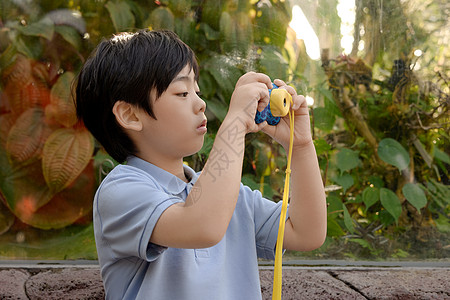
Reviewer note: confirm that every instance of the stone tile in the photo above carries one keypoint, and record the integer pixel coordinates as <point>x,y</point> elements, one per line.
<point>307,284</point>
<point>399,284</point>
<point>12,284</point>
<point>70,283</point>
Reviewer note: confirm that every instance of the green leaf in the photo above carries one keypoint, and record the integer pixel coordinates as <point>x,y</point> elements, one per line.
<point>321,146</point>
<point>218,108</point>
<point>210,10</point>
<point>386,218</point>
<point>376,181</point>
<point>43,28</point>
<point>273,63</point>
<point>333,228</point>
<point>362,243</point>
<point>226,71</point>
<point>345,181</point>
<point>69,34</point>
<point>347,159</point>
<point>180,7</point>
<point>442,156</point>
<point>443,223</point>
<point>393,153</point>
<point>210,34</point>
<point>348,220</point>
<point>161,18</point>
<point>391,203</point>
<point>370,196</point>
<point>244,32</point>
<point>334,204</point>
<point>185,29</point>
<point>31,48</point>
<point>228,38</point>
<point>274,19</point>
<point>415,195</point>
<point>8,57</point>
<point>249,181</point>
<point>207,145</point>
<point>324,119</point>
<point>262,157</point>
<point>121,15</point>
<point>207,84</point>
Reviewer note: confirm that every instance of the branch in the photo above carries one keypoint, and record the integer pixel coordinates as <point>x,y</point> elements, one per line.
<point>353,116</point>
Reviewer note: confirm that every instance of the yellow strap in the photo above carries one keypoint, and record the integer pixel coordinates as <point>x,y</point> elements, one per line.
<point>277,278</point>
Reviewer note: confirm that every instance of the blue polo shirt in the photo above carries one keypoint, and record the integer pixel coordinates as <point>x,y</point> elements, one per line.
<point>127,206</point>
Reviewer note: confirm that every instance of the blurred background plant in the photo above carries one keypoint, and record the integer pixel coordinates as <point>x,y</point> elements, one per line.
<point>377,74</point>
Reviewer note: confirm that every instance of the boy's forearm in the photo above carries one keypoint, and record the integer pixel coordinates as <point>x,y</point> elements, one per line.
<point>217,188</point>
<point>307,209</point>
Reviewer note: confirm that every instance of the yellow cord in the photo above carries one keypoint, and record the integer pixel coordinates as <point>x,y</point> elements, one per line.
<point>277,278</point>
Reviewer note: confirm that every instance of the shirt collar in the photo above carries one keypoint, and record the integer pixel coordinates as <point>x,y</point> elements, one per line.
<point>169,182</point>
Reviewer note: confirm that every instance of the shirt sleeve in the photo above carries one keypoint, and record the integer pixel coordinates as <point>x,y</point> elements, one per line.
<point>267,220</point>
<point>128,207</point>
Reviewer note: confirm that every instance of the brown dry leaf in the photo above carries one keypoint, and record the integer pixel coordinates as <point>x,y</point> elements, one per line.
<point>6,123</point>
<point>26,138</point>
<point>66,153</point>
<point>15,78</point>
<point>62,107</point>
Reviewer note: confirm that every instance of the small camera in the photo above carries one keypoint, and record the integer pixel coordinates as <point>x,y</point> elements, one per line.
<point>279,104</point>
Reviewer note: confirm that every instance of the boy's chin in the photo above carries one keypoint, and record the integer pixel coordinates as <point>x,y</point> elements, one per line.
<point>196,149</point>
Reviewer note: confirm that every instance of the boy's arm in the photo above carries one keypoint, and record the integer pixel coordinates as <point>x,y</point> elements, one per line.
<point>307,223</point>
<point>203,219</point>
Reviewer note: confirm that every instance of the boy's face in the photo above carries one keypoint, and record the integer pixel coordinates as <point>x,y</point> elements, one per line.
<point>180,124</point>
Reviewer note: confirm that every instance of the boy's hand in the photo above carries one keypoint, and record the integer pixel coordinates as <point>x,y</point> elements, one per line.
<point>250,94</point>
<point>302,130</point>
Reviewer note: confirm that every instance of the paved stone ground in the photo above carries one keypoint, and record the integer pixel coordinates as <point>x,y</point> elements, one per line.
<point>84,282</point>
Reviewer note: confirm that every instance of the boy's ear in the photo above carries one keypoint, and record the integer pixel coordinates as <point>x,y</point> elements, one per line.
<point>127,116</point>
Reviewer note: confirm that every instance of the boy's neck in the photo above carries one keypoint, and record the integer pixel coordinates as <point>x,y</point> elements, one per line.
<point>173,166</point>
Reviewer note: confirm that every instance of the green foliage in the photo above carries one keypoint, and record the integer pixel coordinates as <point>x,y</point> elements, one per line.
<point>390,157</point>
<point>381,133</point>
<point>392,152</point>
<point>415,195</point>
<point>391,203</point>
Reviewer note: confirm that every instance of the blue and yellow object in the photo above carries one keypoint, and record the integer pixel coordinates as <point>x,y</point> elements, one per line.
<point>279,105</point>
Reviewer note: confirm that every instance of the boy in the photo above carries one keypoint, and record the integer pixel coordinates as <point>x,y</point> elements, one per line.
<point>163,231</point>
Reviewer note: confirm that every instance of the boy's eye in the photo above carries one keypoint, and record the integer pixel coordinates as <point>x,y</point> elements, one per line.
<point>199,93</point>
<point>183,94</point>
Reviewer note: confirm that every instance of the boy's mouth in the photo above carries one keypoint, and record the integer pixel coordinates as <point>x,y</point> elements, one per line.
<point>202,126</point>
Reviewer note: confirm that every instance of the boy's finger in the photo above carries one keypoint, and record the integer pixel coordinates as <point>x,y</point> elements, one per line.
<point>264,79</point>
<point>279,82</point>
<point>262,125</point>
<point>269,130</point>
<point>299,101</point>
<point>258,77</point>
<point>264,99</point>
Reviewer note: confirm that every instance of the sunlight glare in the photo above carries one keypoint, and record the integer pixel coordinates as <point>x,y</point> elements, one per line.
<point>305,32</point>
<point>346,11</point>
<point>309,100</point>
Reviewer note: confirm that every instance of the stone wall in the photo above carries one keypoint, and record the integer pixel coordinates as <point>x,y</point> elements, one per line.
<point>84,282</point>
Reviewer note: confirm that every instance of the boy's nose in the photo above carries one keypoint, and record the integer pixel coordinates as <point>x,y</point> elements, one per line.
<point>201,104</point>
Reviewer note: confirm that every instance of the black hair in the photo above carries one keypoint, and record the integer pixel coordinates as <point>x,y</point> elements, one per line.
<point>127,67</point>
